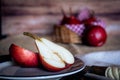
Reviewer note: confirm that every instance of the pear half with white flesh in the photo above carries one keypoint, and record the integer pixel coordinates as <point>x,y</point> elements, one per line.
<point>52,56</point>
<point>63,53</point>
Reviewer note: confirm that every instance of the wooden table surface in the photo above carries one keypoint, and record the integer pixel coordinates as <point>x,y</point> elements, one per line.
<point>112,43</point>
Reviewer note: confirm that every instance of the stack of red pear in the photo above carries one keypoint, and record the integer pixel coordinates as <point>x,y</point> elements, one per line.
<point>93,35</point>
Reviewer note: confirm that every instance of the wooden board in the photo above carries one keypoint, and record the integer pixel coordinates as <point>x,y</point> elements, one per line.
<point>112,43</point>
<point>39,16</point>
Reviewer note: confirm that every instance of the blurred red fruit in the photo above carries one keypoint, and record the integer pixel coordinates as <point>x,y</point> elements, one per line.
<point>95,36</point>
<point>23,57</point>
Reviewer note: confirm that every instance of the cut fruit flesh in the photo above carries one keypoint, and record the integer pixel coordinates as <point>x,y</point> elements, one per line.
<point>49,56</point>
<point>60,51</point>
<point>52,56</point>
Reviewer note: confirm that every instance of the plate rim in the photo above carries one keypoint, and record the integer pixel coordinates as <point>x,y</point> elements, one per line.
<point>45,76</point>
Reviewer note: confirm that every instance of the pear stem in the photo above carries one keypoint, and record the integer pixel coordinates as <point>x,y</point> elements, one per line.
<point>63,12</point>
<point>34,36</point>
<point>70,9</point>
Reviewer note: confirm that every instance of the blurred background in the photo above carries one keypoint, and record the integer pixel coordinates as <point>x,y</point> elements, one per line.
<point>39,16</point>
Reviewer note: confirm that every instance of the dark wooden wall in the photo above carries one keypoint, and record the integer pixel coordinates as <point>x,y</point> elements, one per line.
<point>39,16</point>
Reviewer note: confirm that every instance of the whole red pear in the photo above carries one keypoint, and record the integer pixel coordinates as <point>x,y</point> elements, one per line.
<point>70,20</point>
<point>73,20</point>
<point>95,36</point>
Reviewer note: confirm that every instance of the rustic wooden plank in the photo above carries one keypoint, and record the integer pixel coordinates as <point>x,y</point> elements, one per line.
<point>39,16</point>
<point>102,6</point>
<point>46,2</point>
<point>38,24</point>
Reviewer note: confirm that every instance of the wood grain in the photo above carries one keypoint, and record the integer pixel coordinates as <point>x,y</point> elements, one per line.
<point>43,7</point>
<point>39,16</point>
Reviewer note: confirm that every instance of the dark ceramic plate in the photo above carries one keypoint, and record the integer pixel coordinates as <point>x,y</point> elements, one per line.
<point>10,71</point>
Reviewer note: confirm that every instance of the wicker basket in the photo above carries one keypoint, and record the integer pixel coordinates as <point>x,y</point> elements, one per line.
<point>64,35</point>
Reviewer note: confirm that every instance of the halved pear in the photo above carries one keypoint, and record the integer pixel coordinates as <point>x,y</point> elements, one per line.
<point>49,59</point>
<point>52,56</point>
<point>63,53</point>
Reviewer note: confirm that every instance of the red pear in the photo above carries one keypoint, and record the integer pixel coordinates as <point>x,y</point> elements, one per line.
<point>95,36</point>
<point>69,19</point>
<point>53,57</point>
<point>23,57</point>
<point>73,20</point>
